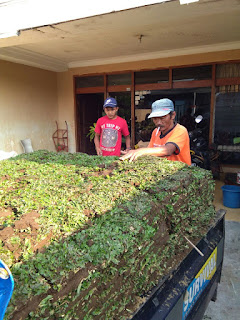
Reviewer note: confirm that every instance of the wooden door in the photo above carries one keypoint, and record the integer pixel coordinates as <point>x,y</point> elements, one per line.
<point>89,108</point>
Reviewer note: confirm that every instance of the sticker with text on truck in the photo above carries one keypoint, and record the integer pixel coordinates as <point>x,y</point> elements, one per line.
<point>199,283</point>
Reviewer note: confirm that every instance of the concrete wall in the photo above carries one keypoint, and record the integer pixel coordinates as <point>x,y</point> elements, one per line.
<point>66,107</point>
<point>28,106</point>
<point>66,89</point>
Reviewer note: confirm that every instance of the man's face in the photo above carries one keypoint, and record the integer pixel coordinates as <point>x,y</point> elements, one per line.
<point>111,112</point>
<point>165,123</point>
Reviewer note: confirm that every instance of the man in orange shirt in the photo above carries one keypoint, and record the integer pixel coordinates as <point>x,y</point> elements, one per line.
<point>169,139</point>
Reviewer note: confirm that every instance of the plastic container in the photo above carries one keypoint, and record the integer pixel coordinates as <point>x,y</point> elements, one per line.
<point>231,196</point>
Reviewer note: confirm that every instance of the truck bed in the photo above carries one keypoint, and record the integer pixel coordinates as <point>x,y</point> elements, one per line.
<point>185,293</point>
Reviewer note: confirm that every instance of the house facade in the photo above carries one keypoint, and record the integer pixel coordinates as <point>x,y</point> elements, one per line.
<point>46,83</point>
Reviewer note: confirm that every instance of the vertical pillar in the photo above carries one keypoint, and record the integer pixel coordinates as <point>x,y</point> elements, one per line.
<point>170,80</point>
<point>132,110</point>
<point>212,105</point>
<point>105,86</point>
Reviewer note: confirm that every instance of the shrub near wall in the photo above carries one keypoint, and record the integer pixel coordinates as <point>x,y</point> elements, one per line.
<point>86,236</point>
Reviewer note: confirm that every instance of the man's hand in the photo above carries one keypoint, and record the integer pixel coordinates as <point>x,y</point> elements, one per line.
<point>123,152</point>
<point>134,154</point>
<point>162,151</point>
<point>99,151</point>
<point>97,144</point>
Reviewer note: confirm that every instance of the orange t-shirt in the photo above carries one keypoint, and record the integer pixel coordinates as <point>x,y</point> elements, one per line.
<point>178,136</point>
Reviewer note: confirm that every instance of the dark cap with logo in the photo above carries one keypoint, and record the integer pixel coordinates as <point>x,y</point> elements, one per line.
<point>110,102</point>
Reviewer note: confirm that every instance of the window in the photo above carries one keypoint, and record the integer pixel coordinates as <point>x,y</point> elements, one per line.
<point>154,76</point>
<point>231,70</point>
<point>192,73</point>
<point>92,81</point>
<point>119,79</point>
<point>227,119</point>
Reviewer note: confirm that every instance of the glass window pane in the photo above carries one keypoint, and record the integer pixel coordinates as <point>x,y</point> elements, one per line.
<point>153,76</point>
<point>93,81</point>
<point>119,79</point>
<point>227,126</point>
<point>124,104</point>
<point>193,73</point>
<point>231,70</point>
<point>227,119</point>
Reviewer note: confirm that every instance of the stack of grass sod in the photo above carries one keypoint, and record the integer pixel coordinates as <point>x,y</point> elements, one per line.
<point>86,236</point>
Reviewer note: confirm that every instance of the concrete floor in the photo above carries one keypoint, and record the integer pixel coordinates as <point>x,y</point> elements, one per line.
<point>227,306</point>
<point>231,214</point>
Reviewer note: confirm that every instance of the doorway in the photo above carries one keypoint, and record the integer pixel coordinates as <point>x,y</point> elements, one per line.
<point>89,107</point>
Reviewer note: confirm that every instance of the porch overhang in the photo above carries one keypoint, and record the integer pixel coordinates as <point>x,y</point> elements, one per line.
<point>159,30</point>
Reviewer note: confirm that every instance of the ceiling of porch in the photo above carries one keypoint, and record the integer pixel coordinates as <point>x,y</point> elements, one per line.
<point>148,32</point>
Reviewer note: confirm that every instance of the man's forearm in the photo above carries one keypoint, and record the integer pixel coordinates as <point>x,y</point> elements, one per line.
<point>128,142</point>
<point>162,151</point>
<point>97,141</point>
<point>97,144</point>
<point>156,151</point>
